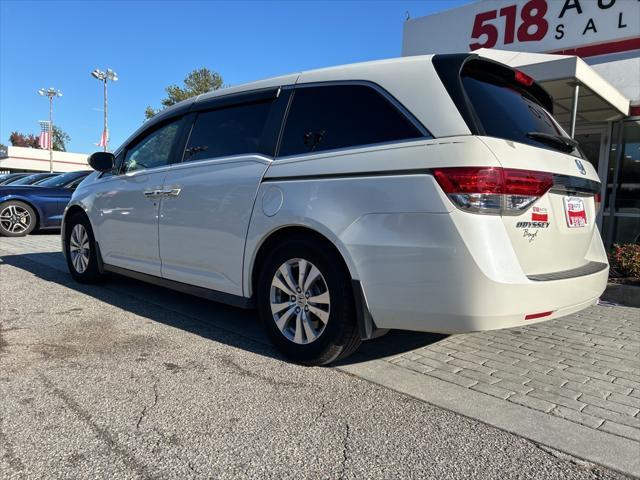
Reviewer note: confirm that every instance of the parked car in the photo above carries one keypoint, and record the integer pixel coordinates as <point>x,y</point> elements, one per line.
<point>25,208</point>
<point>32,179</point>
<point>10,177</point>
<point>429,193</point>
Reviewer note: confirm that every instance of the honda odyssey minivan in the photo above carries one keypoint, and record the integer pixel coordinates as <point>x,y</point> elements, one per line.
<point>428,193</point>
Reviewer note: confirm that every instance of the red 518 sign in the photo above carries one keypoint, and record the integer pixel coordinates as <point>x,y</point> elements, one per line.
<point>530,27</point>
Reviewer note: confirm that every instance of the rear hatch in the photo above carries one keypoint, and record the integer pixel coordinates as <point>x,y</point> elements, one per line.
<point>549,195</point>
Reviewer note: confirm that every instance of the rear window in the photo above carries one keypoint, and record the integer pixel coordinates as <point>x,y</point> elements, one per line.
<point>507,110</point>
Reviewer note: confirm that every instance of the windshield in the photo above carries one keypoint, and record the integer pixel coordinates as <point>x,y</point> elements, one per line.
<point>510,112</point>
<point>62,180</point>
<point>30,179</point>
<point>11,177</point>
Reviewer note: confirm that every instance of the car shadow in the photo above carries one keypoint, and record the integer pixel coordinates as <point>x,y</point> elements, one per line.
<point>214,321</point>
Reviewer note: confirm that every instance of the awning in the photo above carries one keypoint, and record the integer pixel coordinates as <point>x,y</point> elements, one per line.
<point>598,100</point>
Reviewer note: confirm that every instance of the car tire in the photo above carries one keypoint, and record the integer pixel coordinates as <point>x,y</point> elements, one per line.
<point>317,325</point>
<point>17,219</point>
<point>80,250</point>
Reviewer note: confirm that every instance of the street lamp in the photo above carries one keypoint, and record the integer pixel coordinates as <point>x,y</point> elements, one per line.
<point>51,93</point>
<point>104,77</point>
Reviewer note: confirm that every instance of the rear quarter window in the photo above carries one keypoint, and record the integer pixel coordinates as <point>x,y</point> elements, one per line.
<point>330,117</point>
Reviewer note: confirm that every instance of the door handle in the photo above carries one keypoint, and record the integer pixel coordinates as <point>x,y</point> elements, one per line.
<point>171,192</point>
<point>152,193</point>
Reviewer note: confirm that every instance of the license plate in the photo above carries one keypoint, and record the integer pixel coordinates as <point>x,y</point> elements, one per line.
<point>575,212</point>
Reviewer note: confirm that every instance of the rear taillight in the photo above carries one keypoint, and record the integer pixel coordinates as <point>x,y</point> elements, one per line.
<point>598,201</point>
<point>493,190</point>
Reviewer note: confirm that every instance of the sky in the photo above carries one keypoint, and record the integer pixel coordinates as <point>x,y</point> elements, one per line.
<point>153,44</point>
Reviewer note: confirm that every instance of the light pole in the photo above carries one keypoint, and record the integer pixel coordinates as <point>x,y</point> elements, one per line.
<point>51,93</point>
<point>104,77</point>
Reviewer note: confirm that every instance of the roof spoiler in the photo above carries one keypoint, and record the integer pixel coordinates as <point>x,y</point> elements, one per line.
<point>450,68</point>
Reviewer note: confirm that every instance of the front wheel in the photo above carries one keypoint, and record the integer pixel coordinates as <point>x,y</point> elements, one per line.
<point>17,219</point>
<point>305,301</point>
<point>80,250</point>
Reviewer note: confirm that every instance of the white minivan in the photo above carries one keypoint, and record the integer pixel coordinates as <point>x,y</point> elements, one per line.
<point>428,193</point>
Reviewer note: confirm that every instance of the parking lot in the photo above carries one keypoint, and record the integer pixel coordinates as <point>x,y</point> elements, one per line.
<point>128,380</point>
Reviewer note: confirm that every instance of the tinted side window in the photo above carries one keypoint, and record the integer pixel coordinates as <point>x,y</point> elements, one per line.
<point>154,150</point>
<point>117,163</point>
<point>340,116</point>
<point>228,131</point>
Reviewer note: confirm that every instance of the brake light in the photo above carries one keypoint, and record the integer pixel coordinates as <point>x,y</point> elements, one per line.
<point>598,201</point>
<point>493,190</point>
<point>523,79</point>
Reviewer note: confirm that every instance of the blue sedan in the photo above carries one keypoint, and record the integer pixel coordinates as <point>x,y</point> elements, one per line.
<point>25,208</point>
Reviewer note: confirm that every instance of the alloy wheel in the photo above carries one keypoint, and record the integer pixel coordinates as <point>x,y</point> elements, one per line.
<point>300,301</point>
<point>79,248</point>
<point>15,219</point>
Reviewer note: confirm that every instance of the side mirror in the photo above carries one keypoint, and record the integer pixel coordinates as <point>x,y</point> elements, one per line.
<point>102,161</point>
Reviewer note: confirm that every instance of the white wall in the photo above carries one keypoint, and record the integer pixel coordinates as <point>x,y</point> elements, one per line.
<point>37,160</point>
<point>623,74</point>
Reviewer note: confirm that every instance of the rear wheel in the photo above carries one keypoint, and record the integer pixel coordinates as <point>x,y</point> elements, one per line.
<point>17,219</point>
<point>81,252</point>
<point>305,301</point>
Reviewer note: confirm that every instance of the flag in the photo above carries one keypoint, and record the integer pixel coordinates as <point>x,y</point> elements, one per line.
<point>45,135</point>
<point>104,138</point>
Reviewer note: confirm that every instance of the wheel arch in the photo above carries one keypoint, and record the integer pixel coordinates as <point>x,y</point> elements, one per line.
<point>366,324</point>
<point>286,231</point>
<point>71,210</point>
<point>68,213</point>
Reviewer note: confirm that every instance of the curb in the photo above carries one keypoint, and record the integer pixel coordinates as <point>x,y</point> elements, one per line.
<point>627,295</point>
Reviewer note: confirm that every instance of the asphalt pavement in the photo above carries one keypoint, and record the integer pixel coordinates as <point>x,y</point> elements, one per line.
<point>128,380</point>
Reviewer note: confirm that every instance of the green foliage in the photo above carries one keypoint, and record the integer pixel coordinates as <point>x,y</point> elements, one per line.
<point>60,139</point>
<point>625,260</point>
<point>199,81</point>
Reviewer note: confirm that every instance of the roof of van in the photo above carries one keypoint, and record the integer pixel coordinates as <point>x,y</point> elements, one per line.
<point>361,68</point>
<point>412,80</point>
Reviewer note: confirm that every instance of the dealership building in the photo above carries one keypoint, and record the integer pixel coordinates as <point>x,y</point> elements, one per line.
<point>586,53</point>
<point>31,160</point>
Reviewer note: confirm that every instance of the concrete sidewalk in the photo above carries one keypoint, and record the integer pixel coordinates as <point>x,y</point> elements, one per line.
<point>572,384</point>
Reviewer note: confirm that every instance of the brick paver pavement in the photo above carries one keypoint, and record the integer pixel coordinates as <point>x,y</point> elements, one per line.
<point>584,367</point>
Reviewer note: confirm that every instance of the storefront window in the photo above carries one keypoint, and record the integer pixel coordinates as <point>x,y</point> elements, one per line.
<point>613,159</point>
<point>622,200</point>
<point>627,230</point>
<point>628,188</point>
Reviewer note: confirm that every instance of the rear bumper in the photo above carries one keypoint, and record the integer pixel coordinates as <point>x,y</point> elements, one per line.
<point>455,273</point>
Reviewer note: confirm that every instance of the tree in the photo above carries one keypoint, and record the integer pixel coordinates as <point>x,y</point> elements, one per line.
<point>18,139</point>
<point>60,139</point>
<point>199,81</point>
